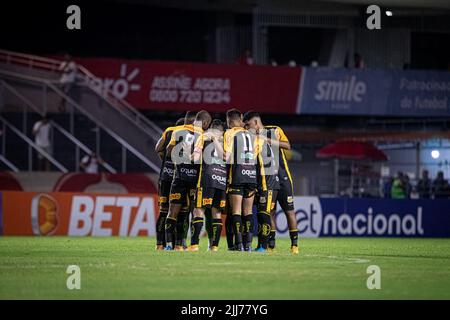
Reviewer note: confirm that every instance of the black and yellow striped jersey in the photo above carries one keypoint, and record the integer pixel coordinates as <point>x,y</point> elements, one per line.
<point>166,172</point>
<point>213,170</point>
<point>268,166</point>
<point>242,148</point>
<point>276,133</point>
<point>183,139</point>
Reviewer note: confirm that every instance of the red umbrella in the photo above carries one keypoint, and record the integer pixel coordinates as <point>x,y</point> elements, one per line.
<point>352,150</point>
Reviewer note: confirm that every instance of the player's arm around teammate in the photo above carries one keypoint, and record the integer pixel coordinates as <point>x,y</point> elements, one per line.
<point>211,185</point>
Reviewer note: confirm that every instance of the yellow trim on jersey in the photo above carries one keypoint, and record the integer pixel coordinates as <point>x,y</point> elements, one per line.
<point>269,201</point>
<point>188,127</point>
<point>263,173</point>
<point>281,136</point>
<point>287,167</point>
<point>200,174</point>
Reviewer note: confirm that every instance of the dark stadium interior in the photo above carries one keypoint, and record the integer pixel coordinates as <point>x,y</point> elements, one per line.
<point>221,32</point>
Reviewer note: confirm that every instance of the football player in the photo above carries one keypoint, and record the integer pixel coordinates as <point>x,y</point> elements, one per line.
<point>211,184</point>
<point>268,180</point>
<point>181,149</point>
<point>241,148</point>
<point>164,182</point>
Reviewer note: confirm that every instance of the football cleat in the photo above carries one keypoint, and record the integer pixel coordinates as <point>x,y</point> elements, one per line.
<point>260,249</point>
<point>168,248</point>
<point>178,248</point>
<point>193,248</point>
<point>270,249</point>
<point>214,249</point>
<point>159,247</point>
<point>294,250</point>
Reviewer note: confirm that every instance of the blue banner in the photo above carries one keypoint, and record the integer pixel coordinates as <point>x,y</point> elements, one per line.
<point>328,217</point>
<point>374,92</point>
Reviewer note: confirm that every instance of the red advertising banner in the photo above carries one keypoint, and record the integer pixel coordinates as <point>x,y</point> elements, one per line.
<point>78,214</point>
<point>194,86</point>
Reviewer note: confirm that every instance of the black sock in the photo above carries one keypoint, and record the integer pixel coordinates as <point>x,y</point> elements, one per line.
<point>247,234</point>
<point>197,225</point>
<point>237,230</point>
<point>264,230</point>
<point>259,233</point>
<point>293,234</point>
<point>229,231</point>
<point>216,231</point>
<point>186,227</point>
<point>272,239</point>
<point>180,228</point>
<point>160,229</point>
<point>169,230</point>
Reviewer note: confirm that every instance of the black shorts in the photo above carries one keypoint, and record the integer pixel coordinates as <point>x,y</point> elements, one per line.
<point>163,194</point>
<point>285,196</point>
<point>266,201</point>
<point>245,190</point>
<point>210,198</point>
<point>182,192</point>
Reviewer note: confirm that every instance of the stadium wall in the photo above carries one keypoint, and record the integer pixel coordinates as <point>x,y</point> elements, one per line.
<point>100,214</point>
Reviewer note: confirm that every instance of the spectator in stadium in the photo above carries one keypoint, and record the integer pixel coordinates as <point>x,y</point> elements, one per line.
<point>358,61</point>
<point>424,186</point>
<point>273,63</point>
<point>398,188</point>
<point>69,72</point>
<point>90,163</point>
<point>407,185</point>
<point>246,59</point>
<point>41,132</point>
<point>387,188</point>
<point>441,188</point>
<point>292,63</point>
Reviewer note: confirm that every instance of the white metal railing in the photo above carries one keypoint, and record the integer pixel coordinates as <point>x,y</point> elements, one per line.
<point>48,64</point>
<point>32,145</point>
<point>8,163</point>
<point>64,132</point>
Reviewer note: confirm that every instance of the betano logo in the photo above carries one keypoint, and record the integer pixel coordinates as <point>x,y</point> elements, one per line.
<point>93,215</point>
<point>44,215</point>
<point>312,222</point>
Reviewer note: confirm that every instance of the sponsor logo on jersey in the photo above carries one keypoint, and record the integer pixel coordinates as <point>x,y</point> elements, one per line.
<point>250,173</point>
<point>188,171</point>
<point>207,201</point>
<point>175,196</point>
<point>219,178</point>
<point>162,199</point>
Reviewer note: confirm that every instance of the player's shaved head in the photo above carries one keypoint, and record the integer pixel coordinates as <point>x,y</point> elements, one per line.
<point>253,120</point>
<point>189,118</point>
<point>179,122</point>
<point>234,118</point>
<point>217,124</point>
<point>204,117</point>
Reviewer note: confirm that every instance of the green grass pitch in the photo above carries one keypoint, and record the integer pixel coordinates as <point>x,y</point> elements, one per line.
<point>130,268</point>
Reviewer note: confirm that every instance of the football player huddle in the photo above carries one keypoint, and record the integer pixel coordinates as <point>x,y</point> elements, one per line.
<point>209,169</point>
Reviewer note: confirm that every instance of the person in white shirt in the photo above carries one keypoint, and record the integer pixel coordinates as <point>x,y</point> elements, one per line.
<point>90,163</point>
<point>41,132</point>
<point>69,73</point>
